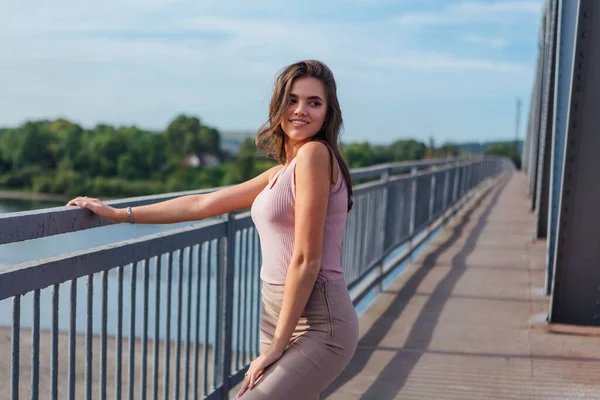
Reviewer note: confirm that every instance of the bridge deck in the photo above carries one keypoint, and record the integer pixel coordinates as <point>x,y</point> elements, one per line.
<point>467,319</point>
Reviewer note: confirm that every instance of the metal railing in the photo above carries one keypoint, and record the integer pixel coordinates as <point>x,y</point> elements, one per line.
<point>188,326</point>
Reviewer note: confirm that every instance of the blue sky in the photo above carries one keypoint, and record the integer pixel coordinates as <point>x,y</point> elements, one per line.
<point>450,70</point>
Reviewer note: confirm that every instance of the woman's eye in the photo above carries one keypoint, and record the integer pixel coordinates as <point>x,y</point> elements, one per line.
<point>315,103</point>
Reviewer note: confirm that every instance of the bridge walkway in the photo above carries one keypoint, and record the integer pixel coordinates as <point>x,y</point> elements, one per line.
<point>466,320</point>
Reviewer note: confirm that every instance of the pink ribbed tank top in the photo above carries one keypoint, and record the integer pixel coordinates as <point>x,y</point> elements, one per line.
<point>273,216</point>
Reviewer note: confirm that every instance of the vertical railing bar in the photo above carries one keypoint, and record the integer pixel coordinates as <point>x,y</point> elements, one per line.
<point>255,294</point>
<point>168,325</point>
<point>131,381</point>
<point>119,338</point>
<point>89,337</point>
<point>54,362</point>
<point>198,308</point>
<point>156,368</point>
<point>364,227</point>
<point>355,236</point>
<point>352,239</point>
<point>246,311</point>
<point>356,247</point>
<point>259,304</point>
<point>103,356</point>
<point>143,381</point>
<point>414,187</point>
<point>372,228</point>
<point>179,311</point>
<point>239,303</point>
<point>355,263</point>
<point>251,314</point>
<point>188,325</point>
<point>445,195</point>
<point>15,352</point>
<point>72,338</point>
<point>207,316</point>
<point>432,196</point>
<point>227,266</point>
<point>35,347</point>
<point>235,318</point>
<point>218,323</point>
<point>361,227</point>
<point>455,185</point>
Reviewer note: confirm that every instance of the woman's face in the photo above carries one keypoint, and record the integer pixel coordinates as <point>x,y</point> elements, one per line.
<point>306,110</point>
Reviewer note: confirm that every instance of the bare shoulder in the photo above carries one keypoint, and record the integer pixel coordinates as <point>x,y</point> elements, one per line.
<point>313,155</point>
<point>313,159</point>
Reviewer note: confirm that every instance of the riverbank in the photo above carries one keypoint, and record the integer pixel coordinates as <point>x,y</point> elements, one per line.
<point>13,194</point>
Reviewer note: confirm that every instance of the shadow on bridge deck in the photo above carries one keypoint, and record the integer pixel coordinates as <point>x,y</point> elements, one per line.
<point>467,319</point>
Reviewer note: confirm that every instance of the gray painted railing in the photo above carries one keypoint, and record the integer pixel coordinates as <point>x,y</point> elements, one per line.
<point>199,290</point>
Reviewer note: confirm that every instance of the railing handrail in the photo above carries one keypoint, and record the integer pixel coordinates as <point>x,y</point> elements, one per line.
<point>36,224</point>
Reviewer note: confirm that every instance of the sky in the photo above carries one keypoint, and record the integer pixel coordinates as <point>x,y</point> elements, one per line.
<point>442,69</point>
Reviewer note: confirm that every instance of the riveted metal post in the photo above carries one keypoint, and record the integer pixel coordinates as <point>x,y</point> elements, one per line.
<point>577,282</point>
<point>547,120</point>
<point>567,23</point>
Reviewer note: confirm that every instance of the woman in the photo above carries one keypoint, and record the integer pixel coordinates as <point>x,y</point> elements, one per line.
<point>308,328</point>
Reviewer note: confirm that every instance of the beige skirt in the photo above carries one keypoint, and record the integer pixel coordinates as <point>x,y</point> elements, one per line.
<point>320,348</point>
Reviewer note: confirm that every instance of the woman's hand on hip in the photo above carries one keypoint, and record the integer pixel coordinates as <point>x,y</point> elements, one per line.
<point>257,368</point>
<point>97,207</point>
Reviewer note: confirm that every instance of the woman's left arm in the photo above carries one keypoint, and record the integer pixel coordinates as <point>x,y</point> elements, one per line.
<point>312,196</point>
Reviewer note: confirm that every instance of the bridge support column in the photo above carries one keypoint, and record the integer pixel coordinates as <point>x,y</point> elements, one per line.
<point>576,294</point>
<point>546,121</point>
<point>567,24</point>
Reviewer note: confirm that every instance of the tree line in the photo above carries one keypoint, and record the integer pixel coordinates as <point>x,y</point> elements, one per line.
<point>61,157</point>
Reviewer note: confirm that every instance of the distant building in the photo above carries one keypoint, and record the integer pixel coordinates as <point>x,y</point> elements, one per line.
<point>203,159</point>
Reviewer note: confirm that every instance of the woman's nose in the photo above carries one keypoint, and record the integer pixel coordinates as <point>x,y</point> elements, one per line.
<point>300,108</point>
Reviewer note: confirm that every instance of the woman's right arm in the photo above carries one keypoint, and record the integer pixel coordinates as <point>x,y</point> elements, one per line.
<point>185,208</point>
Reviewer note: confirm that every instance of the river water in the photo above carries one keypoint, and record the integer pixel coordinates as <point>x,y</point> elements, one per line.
<point>16,253</point>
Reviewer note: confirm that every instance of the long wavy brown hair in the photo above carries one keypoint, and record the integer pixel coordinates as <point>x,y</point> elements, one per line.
<point>270,138</point>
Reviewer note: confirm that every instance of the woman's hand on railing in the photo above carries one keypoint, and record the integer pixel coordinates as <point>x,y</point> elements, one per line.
<point>99,208</point>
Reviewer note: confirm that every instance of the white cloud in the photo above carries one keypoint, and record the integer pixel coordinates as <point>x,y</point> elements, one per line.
<point>143,61</point>
<point>462,13</point>
<point>527,7</point>
<point>446,62</point>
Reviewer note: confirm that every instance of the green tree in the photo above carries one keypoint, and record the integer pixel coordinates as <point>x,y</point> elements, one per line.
<point>507,150</point>
<point>407,150</point>
<point>30,144</point>
<point>359,155</point>
<point>448,150</point>
<point>68,137</point>
<point>430,151</point>
<point>183,137</point>
<point>209,141</point>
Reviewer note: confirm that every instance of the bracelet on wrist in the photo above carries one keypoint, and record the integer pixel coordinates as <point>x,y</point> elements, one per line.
<point>129,215</point>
